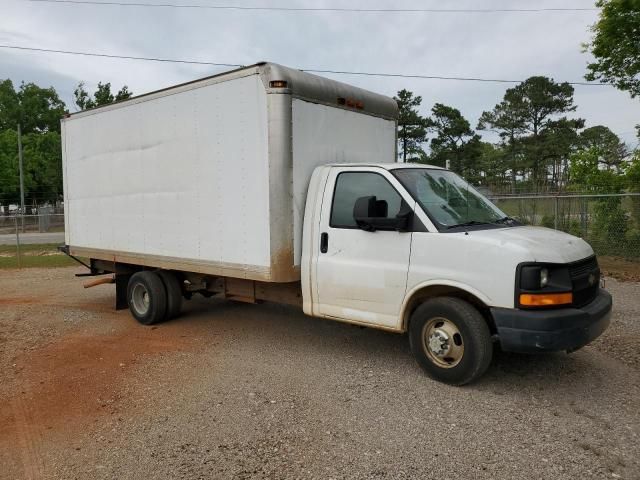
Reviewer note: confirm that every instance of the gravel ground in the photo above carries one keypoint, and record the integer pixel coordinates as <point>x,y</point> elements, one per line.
<point>242,391</point>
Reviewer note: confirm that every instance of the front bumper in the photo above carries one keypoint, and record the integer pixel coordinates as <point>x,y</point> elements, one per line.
<point>532,331</point>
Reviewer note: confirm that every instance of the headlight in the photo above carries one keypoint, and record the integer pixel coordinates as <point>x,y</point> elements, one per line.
<point>544,277</point>
<point>543,285</point>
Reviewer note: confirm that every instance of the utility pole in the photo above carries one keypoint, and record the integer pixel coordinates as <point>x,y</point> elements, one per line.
<point>21,170</point>
<point>20,167</point>
<point>404,148</point>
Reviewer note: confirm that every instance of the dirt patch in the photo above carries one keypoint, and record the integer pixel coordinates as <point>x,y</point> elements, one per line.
<point>66,386</point>
<point>21,301</point>
<point>78,376</point>
<point>620,268</point>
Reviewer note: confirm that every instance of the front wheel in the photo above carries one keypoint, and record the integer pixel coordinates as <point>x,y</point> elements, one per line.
<point>450,340</point>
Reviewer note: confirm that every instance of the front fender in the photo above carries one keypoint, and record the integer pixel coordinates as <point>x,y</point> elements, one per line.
<point>445,284</point>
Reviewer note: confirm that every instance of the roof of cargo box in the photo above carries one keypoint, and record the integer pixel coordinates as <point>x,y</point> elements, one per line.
<point>300,84</point>
<point>325,90</point>
<point>387,166</point>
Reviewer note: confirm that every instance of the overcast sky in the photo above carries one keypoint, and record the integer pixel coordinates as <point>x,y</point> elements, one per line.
<point>491,45</point>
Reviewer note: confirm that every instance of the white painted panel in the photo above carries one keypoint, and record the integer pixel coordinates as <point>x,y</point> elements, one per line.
<point>182,175</point>
<point>322,135</point>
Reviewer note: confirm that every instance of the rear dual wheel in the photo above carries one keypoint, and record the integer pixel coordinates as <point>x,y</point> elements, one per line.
<point>174,293</point>
<point>154,296</point>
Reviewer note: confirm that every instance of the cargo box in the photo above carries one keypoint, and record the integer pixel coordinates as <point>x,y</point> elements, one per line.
<point>211,176</point>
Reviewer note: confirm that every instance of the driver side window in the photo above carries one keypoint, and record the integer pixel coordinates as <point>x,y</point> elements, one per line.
<point>352,185</point>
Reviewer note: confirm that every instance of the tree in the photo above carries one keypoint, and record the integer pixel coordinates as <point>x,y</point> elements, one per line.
<point>632,172</point>
<point>9,106</point>
<point>454,139</point>
<point>123,94</point>
<point>36,109</point>
<point>615,45</point>
<point>412,130</point>
<point>102,95</point>
<point>611,150</point>
<point>42,167</point>
<point>506,120</point>
<point>9,180</point>
<point>528,120</point>
<point>610,225</point>
<point>82,98</point>
<point>541,100</point>
<point>558,140</point>
<point>632,180</point>
<point>493,167</point>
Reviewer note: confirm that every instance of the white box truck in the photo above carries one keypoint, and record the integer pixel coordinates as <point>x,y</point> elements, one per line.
<point>270,184</point>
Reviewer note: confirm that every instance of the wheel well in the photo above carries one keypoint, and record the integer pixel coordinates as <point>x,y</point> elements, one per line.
<point>446,291</point>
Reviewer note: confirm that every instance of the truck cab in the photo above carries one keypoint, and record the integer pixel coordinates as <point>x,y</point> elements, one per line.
<point>414,248</point>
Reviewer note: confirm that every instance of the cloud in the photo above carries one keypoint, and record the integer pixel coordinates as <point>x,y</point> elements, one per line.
<point>500,45</point>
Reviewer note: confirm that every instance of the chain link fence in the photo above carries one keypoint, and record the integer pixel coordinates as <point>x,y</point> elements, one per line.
<point>610,223</point>
<point>25,237</point>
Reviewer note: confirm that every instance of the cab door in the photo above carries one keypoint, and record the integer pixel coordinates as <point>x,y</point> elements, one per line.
<point>361,275</point>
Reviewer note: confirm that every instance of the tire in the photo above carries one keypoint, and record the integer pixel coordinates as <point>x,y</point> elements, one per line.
<point>147,297</point>
<point>450,340</point>
<point>174,293</point>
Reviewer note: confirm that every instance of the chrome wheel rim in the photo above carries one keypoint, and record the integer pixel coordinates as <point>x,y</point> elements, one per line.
<point>442,342</point>
<point>140,299</point>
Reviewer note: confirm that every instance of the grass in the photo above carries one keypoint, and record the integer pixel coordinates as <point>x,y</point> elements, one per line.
<point>34,256</point>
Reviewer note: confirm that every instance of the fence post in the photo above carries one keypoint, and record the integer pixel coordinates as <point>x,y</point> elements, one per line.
<point>555,213</point>
<point>584,213</point>
<point>18,242</point>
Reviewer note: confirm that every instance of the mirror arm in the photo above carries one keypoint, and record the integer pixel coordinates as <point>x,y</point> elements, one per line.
<point>404,218</point>
<point>365,224</point>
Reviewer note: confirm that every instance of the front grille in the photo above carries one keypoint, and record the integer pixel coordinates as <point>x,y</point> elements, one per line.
<point>584,291</point>
<point>583,267</point>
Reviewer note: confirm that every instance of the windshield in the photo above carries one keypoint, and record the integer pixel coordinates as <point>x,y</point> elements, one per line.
<point>447,198</point>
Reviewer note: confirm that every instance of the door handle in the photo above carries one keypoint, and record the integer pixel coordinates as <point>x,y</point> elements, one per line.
<point>324,242</point>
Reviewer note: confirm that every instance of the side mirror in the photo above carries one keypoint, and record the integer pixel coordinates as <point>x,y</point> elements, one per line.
<point>370,215</point>
<point>404,218</point>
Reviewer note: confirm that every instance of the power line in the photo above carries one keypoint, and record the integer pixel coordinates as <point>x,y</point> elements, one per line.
<point>319,9</point>
<point>125,57</point>
<point>432,77</point>
<point>311,70</point>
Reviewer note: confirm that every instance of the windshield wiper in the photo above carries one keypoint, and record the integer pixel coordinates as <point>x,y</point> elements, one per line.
<point>507,220</point>
<point>468,224</point>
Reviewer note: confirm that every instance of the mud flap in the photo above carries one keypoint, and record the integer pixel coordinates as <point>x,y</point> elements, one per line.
<point>122,280</point>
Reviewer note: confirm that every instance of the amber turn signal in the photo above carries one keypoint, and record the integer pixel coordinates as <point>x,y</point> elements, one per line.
<point>545,299</point>
<point>278,84</point>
